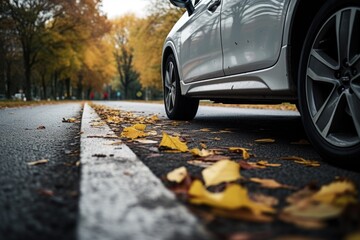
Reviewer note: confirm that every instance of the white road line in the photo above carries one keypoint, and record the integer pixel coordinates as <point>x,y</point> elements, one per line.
<point>121,198</point>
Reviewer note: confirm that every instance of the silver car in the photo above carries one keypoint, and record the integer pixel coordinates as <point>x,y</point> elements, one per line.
<point>271,51</point>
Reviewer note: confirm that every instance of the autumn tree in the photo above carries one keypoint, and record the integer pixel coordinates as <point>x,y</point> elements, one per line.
<point>148,41</point>
<point>124,52</point>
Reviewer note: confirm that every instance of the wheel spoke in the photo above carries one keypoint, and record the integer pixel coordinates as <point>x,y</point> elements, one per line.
<point>322,60</point>
<point>344,25</point>
<point>325,116</point>
<point>354,107</point>
<point>171,72</point>
<point>321,69</point>
<point>167,82</point>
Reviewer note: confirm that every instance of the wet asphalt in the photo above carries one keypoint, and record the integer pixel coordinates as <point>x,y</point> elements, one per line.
<point>41,201</point>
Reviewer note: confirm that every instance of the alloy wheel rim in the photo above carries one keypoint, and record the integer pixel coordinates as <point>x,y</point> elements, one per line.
<point>332,83</point>
<point>170,87</point>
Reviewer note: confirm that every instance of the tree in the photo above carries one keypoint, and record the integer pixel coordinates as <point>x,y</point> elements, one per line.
<point>123,52</point>
<point>148,40</point>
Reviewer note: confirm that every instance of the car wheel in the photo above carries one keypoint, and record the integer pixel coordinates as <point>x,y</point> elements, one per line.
<point>177,107</point>
<point>329,81</point>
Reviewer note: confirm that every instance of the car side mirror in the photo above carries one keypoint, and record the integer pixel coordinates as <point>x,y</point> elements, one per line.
<point>184,4</point>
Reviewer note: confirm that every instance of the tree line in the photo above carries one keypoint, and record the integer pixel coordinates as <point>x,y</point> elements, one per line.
<point>53,49</point>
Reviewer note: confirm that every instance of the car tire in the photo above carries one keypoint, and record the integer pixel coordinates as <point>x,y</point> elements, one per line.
<point>177,106</point>
<point>329,81</point>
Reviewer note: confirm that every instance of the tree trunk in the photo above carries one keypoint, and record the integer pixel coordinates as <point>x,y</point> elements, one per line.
<point>43,82</point>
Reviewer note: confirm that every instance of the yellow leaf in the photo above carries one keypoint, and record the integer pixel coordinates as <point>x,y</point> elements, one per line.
<point>201,153</point>
<point>244,151</point>
<point>173,143</point>
<point>329,193</point>
<point>269,183</point>
<point>234,197</point>
<point>222,171</point>
<point>314,211</point>
<point>308,163</point>
<point>265,140</point>
<point>177,175</point>
<point>267,164</point>
<point>140,127</point>
<point>132,133</point>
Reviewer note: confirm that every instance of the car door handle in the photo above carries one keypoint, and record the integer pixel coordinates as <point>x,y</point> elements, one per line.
<point>213,6</point>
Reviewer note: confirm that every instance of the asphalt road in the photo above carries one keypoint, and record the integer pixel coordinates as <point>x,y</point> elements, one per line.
<point>39,202</point>
<point>239,128</point>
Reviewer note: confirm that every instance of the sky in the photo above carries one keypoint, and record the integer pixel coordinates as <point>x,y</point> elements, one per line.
<point>116,8</point>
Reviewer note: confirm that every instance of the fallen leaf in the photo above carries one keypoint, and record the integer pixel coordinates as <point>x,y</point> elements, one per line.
<point>267,164</point>
<point>270,183</point>
<point>313,211</point>
<point>234,197</point>
<point>40,127</point>
<point>69,120</point>
<point>222,171</point>
<point>329,193</point>
<point>244,151</point>
<point>177,175</point>
<point>201,153</point>
<point>43,161</point>
<point>248,165</point>
<point>265,140</point>
<point>172,143</point>
<point>264,199</point>
<point>46,192</point>
<point>308,163</point>
<point>215,158</point>
<point>135,131</point>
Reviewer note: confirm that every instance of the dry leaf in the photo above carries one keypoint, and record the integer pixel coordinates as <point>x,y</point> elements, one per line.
<point>267,164</point>
<point>244,151</point>
<point>309,163</point>
<point>313,211</point>
<point>172,143</point>
<point>40,127</point>
<point>215,158</point>
<point>353,236</point>
<point>265,140</point>
<point>69,120</point>
<point>248,165</point>
<point>264,199</point>
<point>270,183</point>
<point>135,131</point>
<point>329,193</point>
<point>234,197</point>
<point>201,153</point>
<point>177,175</point>
<point>43,161</point>
<point>222,171</point>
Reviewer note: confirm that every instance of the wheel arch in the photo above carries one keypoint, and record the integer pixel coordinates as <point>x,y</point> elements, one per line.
<point>302,16</point>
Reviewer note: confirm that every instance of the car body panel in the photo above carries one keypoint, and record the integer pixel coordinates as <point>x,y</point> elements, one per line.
<point>251,33</point>
<point>201,53</point>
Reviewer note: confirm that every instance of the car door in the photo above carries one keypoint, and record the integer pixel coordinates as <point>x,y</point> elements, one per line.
<point>251,33</point>
<point>201,51</point>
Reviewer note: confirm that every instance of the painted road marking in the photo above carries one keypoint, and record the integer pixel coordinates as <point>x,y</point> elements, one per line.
<point>121,198</point>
